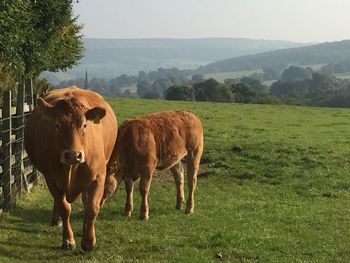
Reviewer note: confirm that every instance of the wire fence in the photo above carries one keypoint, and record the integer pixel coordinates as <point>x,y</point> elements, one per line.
<point>17,175</point>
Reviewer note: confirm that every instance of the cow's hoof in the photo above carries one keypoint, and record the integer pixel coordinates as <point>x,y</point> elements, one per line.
<point>56,222</point>
<point>144,217</point>
<point>189,211</point>
<point>179,206</point>
<point>68,246</point>
<point>127,213</point>
<point>87,246</point>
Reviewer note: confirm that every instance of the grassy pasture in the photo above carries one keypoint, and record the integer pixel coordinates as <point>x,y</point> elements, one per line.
<point>285,198</point>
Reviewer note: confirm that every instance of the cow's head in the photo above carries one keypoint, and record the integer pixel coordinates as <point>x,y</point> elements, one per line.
<point>70,122</point>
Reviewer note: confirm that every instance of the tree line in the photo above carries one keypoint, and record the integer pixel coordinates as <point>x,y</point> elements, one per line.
<point>37,36</point>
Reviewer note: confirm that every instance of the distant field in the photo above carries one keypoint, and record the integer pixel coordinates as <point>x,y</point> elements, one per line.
<point>132,88</point>
<point>343,75</point>
<point>285,198</point>
<point>236,74</point>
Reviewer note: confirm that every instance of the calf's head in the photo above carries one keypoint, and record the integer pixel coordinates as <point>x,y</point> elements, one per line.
<point>70,121</point>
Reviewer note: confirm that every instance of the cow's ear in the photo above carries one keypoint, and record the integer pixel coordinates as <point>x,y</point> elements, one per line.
<point>44,106</point>
<point>95,114</point>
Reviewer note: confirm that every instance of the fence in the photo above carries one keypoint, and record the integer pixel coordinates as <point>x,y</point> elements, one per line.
<point>17,175</point>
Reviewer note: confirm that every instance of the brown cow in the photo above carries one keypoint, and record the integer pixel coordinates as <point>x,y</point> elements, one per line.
<point>69,138</point>
<point>158,140</point>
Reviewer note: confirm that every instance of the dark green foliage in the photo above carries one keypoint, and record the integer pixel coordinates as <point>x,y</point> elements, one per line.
<point>243,93</point>
<point>38,35</point>
<point>41,86</point>
<point>255,84</point>
<point>211,90</point>
<point>295,88</point>
<point>184,93</point>
<point>296,73</point>
<point>315,91</point>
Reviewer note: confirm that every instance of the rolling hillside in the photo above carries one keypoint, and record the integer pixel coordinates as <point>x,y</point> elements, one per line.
<point>113,57</point>
<point>316,54</point>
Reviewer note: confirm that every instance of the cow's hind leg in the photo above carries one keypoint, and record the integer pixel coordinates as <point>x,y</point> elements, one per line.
<point>129,197</point>
<point>145,185</point>
<point>193,159</point>
<point>178,173</point>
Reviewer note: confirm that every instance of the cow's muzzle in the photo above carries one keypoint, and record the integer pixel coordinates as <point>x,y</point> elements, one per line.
<point>72,157</point>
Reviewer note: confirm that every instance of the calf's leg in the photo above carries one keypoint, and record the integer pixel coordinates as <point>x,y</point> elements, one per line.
<point>129,197</point>
<point>178,173</point>
<point>145,185</point>
<point>193,159</point>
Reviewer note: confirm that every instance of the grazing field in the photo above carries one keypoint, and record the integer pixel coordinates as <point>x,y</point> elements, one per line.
<point>284,198</point>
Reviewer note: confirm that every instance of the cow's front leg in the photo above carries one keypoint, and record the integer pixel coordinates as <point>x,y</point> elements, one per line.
<point>68,241</point>
<point>91,200</point>
<point>56,219</point>
<point>62,209</point>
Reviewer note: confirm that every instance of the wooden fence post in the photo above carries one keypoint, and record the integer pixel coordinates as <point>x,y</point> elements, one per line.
<point>31,100</point>
<point>6,145</point>
<point>19,132</point>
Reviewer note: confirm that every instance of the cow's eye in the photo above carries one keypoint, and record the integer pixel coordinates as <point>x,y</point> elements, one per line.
<point>84,126</point>
<point>58,127</point>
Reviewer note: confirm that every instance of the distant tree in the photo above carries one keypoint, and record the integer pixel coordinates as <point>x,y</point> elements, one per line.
<point>143,87</point>
<point>160,86</point>
<point>257,75</point>
<point>197,78</point>
<point>243,92</point>
<point>296,73</point>
<point>271,73</point>
<point>230,81</point>
<point>340,66</point>
<point>41,86</point>
<point>295,88</point>
<point>211,90</point>
<point>142,75</point>
<point>179,93</point>
<point>255,84</point>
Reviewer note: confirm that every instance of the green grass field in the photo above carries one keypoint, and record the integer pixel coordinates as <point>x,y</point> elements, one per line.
<point>285,198</point>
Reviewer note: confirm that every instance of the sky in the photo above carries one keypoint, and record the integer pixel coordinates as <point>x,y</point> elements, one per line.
<point>292,20</point>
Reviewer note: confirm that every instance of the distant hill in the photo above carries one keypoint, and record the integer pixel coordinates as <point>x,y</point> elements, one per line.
<point>113,57</point>
<point>315,54</point>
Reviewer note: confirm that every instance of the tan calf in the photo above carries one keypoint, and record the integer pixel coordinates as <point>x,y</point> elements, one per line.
<point>156,141</point>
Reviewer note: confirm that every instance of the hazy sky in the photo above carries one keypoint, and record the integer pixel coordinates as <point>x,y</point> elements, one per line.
<point>295,20</point>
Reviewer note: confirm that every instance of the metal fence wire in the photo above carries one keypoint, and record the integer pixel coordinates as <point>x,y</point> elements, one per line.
<point>17,175</point>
